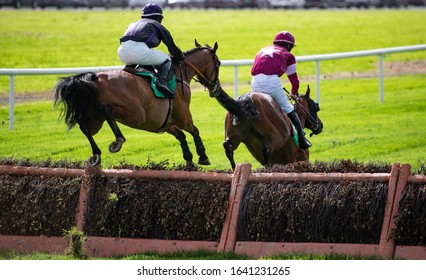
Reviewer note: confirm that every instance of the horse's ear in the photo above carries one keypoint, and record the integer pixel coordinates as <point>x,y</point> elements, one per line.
<point>215,47</point>
<point>308,91</point>
<point>196,44</point>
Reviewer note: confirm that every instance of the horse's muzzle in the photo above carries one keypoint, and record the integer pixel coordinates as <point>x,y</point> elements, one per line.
<point>316,128</point>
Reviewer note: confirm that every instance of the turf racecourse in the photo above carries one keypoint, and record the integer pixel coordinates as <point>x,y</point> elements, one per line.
<point>356,125</point>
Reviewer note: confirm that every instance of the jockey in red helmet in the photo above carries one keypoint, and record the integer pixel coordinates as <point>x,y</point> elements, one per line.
<point>285,37</point>
<point>141,37</point>
<point>270,64</point>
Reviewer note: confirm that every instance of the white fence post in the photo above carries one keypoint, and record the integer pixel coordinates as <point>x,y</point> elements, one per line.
<point>317,81</point>
<point>381,87</point>
<point>11,101</point>
<point>235,81</point>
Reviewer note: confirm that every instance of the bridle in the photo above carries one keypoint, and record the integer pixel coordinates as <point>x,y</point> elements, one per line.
<point>316,126</point>
<point>212,85</point>
<point>313,121</point>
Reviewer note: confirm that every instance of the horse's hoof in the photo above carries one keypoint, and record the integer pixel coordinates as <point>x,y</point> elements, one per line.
<point>190,166</point>
<point>204,161</point>
<point>94,160</point>
<point>116,145</point>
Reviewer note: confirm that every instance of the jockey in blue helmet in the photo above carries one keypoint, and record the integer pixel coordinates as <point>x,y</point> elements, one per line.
<point>141,37</point>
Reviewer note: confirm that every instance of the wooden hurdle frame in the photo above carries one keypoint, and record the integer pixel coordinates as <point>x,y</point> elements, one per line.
<point>95,246</point>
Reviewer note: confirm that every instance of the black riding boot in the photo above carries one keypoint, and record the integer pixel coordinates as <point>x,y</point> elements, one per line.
<point>303,142</point>
<point>163,77</point>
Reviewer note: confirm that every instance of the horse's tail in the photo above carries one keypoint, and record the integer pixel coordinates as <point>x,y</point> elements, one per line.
<point>77,94</point>
<point>247,106</point>
<point>242,108</point>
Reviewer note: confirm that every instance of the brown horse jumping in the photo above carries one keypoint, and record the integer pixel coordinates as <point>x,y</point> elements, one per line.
<point>256,120</point>
<point>90,99</point>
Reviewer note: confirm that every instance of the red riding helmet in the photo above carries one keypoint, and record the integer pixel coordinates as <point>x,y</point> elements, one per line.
<point>152,9</point>
<point>285,37</point>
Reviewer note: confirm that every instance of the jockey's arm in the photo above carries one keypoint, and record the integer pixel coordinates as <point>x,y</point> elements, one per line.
<point>292,74</point>
<point>294,80</point>
<point>167,39</point>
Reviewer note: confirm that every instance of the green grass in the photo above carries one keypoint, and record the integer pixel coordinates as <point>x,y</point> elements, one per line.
<point>356,125</point>
<point>76,38</point>
<point>180,255</point>
<point>359,127</point>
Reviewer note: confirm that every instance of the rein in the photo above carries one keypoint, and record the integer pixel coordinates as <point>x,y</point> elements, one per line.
<point>181,80</point>
<point>195,69</point>
<point>203,79</point>
<point>314,122</point>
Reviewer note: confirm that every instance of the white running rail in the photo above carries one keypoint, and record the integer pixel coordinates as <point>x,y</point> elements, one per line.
<point>12,72</point>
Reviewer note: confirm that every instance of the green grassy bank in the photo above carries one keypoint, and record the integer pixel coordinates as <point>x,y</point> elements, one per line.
<point>356,125</point>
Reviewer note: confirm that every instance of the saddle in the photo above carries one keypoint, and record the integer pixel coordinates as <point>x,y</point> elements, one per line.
<point>150,73</point>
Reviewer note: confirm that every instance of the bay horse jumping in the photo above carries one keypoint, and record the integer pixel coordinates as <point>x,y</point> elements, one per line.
<point>89,99</point>
<point>256,120</point>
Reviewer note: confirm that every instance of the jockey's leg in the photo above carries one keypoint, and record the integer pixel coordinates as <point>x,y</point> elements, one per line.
<point>163,77</point>
<point>281,98</point>
<point>303,142</point>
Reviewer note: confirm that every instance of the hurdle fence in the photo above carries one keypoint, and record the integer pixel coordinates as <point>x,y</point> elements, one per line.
<point>95,246</point>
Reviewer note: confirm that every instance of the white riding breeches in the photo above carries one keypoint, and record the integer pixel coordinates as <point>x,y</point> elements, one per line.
<point>131,52</point>
<point>271,84</point>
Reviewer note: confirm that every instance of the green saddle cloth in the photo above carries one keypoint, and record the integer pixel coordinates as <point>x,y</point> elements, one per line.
<point>295,136</point>
<point>171,84</point>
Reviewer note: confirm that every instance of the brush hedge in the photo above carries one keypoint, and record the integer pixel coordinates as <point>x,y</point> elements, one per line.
<point>336,211</point>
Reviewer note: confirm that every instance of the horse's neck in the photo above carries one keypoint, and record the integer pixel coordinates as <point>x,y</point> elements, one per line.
<point>198,59</point>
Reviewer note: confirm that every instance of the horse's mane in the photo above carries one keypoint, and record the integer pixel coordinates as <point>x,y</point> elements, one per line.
<point>206,46</point>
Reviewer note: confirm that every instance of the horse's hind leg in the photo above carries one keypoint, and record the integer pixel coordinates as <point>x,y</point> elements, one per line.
<point>95,159</point>
<point>115,146</point>
<point>201,150</point>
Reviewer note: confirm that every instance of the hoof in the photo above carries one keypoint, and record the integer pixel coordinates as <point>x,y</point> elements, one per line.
<point>116,145</point>
<point>94,160</point>
<point>190,166</point>
<point>204,161</point>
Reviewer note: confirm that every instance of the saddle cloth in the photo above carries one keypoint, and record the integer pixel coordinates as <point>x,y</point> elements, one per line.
<point>294,134</point>
<point>151,77</point>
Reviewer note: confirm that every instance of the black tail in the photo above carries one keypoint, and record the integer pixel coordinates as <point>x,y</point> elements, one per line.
<point>247,106</point>
<point>77,94</point>
<point>242,108</point>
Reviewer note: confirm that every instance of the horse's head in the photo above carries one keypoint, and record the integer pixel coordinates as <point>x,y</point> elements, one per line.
<point>204,61</point>
<point>308,111</point>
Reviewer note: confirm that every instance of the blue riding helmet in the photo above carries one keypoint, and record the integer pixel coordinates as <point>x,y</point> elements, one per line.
<point>152,9</point>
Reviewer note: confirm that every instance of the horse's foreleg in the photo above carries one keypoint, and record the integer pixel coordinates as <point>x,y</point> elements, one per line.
<point>95,159</point>
<point>229,152</point>
<point>115,146</point>
<point>180,136</point>
<point>201,150</point>
<point>266,152</point>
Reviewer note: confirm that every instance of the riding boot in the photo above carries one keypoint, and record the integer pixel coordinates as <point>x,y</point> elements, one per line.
<point>303,142</point>
<point>163,76</point>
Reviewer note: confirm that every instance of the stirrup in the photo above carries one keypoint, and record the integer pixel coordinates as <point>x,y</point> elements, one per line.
<point>165,90</point>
